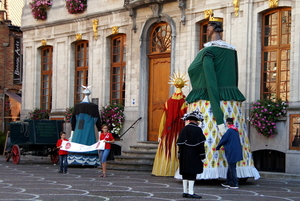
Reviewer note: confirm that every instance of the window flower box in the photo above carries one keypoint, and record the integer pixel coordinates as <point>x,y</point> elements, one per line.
<point>76,6</point>
<point>265,113</point>
<point>39,8</point>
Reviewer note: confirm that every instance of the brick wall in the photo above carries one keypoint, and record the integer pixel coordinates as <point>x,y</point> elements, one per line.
<point>6,67</point>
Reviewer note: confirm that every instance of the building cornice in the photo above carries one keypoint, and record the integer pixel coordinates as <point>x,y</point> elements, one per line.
<point>14,28</point>
<point>68,21</point>
<point>135,4</point>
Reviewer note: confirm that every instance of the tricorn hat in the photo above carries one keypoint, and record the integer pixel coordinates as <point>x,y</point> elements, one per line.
<point>194,115</point>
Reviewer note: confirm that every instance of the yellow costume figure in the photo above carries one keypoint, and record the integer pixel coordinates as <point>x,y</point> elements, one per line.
<point>166,161</point>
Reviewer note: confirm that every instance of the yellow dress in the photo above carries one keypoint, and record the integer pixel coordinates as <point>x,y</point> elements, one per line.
<point>166,162</point>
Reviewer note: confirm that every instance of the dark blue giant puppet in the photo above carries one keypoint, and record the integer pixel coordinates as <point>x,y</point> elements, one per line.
<point>83,121</point>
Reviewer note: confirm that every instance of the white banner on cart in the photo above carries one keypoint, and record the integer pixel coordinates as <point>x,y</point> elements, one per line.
<point>75,147</point>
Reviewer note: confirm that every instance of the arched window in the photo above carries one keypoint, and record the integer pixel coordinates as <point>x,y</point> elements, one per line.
<point>81,68</point>
<point>118,69</point>
<point>161,37</point>
<point>46,77</point>
<point>276,39</point>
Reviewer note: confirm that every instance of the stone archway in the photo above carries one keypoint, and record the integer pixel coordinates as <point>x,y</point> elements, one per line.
<point>144,69</point>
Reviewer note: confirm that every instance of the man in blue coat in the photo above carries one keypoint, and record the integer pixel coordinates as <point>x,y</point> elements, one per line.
<point>233,152</point>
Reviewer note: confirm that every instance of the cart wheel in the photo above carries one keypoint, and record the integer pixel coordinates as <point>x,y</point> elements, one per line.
<point>15,154</point>
<point>7,156</point>
<point>54,156</point>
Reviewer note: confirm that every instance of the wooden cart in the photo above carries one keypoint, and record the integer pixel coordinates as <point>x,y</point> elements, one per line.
<point>33,137</point>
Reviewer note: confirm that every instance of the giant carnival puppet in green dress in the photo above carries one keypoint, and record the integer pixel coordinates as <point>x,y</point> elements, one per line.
<point>214,79</point>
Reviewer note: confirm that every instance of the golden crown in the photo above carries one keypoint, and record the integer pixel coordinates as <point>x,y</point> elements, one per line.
<point>215,19</point>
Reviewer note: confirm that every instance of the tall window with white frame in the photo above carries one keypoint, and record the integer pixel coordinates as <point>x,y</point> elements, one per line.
<point>118,69</point>
<point>276,39</point>
<point>46,77</point>
<point>81,69</point>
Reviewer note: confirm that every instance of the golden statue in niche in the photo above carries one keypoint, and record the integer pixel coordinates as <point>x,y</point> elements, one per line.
<point>273,3</point>
<point>95,28</point>
<point>44,42</point>
<point>236,4</point>
<point>115,30</point>
<point>208,13</point>
<point>78,36</point>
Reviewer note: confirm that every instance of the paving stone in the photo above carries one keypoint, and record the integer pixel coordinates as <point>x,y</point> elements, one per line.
<point>40,180</point>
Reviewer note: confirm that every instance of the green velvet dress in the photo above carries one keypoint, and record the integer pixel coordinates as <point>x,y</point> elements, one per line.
<point>214,77</point>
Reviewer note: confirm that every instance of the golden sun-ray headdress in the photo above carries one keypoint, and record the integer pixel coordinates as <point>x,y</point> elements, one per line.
<point>178,80</point>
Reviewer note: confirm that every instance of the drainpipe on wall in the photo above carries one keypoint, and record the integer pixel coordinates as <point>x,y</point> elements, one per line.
<point>5,45</point>
<point>3,108</point>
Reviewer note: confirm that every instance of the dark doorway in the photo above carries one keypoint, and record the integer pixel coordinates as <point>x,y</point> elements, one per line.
<point>269,160</point>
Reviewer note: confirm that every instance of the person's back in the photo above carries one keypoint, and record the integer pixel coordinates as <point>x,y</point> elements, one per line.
<point>191,152</point>
<point>233,152</point>
<point>233,148</point>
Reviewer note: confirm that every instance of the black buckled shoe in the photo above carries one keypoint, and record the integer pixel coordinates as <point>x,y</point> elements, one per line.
<point>194,196</point>
<point>184,195</point>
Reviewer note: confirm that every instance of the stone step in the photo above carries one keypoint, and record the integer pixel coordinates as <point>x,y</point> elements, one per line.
<point>139,154</point>
<point>143,148</point>
<point>137,160</point>
<point>140,157</point>
<point>148,143</point>
<point>113,165</point>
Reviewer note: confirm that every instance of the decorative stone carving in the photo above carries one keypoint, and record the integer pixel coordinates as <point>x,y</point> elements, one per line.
<point>95,28</point>
<point>236,4</point>
<point>156,7</point>
<point>273,3</point>
<point>44,42</point>
<point>78,36</point>
<point>115,30</point>
<point>208,13</point>
<point>156,10</point>
<point>132,14</point>
<point>182,6</point>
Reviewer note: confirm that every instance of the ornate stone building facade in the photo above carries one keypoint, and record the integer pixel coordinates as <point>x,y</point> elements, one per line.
<point>127,49</point>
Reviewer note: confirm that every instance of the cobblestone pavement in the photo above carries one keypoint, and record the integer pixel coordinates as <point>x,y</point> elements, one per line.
<point>40,180</point>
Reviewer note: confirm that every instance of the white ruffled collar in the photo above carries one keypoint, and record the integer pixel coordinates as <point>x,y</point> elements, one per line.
<point>220,43</point>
